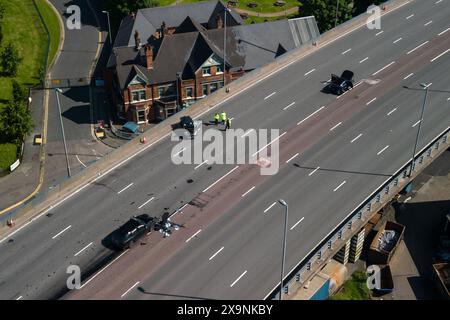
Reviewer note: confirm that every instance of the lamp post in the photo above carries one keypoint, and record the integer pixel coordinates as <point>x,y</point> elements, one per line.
<point>178,82</point>
<point>62,129</point>
<point>285,205</point>
<point>109,27</point>
<point>425,87</point>
<point>337,10</point>
<point>225,42</point>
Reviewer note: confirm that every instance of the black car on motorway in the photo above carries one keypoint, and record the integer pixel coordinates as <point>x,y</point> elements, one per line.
<point>132,231</point>
<point>338,85</point>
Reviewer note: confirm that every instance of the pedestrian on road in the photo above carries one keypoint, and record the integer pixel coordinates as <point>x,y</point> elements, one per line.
<point>228,126</point>
<point>216,119</point>
<point>223,115</point>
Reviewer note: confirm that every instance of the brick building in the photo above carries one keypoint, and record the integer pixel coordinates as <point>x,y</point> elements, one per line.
<point>166,58</point>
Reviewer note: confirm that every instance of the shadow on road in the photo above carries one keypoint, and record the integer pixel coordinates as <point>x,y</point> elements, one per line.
<point>142,290</point>
<point>343,171</point>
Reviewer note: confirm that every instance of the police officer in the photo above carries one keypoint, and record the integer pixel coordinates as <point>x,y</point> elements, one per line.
<point>216,119</point>
<point>223,115</point>
<point>228,126</point>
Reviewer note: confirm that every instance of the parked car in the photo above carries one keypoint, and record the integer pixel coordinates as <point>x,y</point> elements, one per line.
<point>132,231</point>
<point>338,85</point>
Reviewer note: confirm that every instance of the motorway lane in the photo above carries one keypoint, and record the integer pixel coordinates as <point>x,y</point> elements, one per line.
<point>202,280</point>
<point>89,209</point>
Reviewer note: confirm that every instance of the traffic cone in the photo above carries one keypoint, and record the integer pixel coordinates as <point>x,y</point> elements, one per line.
<point>143,140</point>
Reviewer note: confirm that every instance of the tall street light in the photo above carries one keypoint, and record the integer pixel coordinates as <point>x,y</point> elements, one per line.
<point>225,42</point>
<point>62,129</point>
<point>425,87</point>
<point>337,10</point>
<point>109,27</point>
<point>285,205</point>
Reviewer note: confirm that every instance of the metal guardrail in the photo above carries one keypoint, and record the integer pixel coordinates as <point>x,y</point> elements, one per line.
<point>331,244</point>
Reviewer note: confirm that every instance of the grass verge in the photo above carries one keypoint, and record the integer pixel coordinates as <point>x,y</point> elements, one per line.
<point>354,289</point>
<point>8,154</point>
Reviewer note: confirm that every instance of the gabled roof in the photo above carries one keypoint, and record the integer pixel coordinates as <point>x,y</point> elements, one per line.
<point>189,25</point>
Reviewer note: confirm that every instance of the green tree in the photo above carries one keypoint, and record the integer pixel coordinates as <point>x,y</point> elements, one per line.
<point>325,12</point>
<point>15,121</point>
<point>10,60</point>
<point>19,91</point>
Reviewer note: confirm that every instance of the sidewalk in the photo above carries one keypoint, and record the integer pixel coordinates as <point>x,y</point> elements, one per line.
<point>20,183</point>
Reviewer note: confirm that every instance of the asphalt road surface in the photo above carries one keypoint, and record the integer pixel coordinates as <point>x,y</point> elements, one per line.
<point>357,142</point>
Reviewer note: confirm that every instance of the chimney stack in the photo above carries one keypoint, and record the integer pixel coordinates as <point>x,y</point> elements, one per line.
<point>219,21</point>
<point>137,40</point>
<point>149,56</point>
<point>163,29</point>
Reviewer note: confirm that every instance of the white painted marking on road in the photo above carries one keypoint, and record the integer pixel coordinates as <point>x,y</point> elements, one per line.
<point>270,207</point>
<point>429,22</point>
<point>377,34</point>
<point>337,125</point>
<point>194,235</point>
<point>395,41</point>
<point>295,155</point>
<point>247,132</point>
<point>365,59</point>
<point>95,275</point>
<point>337,188</point>
<point>359,83</point>
<point>200,165</point>
<point>215,254</point>
<point>176,154</point>
<point>146,202</point>
<point>290,105</point>
<point>386,66</point>
<point>59,233</point>
<point>409,17</point>
<point>382,150</point>
<point>409,75</point>
<point>392,111</point>
<point>312,114</point>
<point>407,199</point>
<point>76,156</point>
<point>448,99</point>
<point>248,191</point>
<point>269,143</point>
<point>415,124</point>
<point>314,171</point>
<point>220,178</point>
<point>346,51</point>
<point>310,71</point>
<point>441,33</point>
<point>239,278</point>
<point>125,188</point>
<point>270,95</point>
<point>356,138</point>
<point>371,101</point>
<point>83,249</point>
<point>439,1</point>
<point>19,298</point>
<point>132,287</point>
<point>437,57</point>
<point>342,95</point>
<point>420,45</point>
<point>292,228</point>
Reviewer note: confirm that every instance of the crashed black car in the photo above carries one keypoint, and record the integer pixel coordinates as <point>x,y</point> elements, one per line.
<point>338,85</point>
<point>132,231</point>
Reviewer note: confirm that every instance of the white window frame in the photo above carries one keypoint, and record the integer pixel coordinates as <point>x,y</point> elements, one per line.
<point>206,74</point>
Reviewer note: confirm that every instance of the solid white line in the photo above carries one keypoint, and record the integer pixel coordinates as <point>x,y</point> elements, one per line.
<point>312,70</point>
<point>359,83</point>
<point>297,223</point>
<point>448,99</point>
<point>19,298</point>
<point>295,155</point>
<point>397,40</point>
<point>146,202</point>
<point>336,126</point>
<point>441,33</point>
<point>249,190</point>
<point>289,106</point>
<point>356,138</point>
<point>247,132</point>
<point>371,101</point>
<point>428,23</point>
<point>312,114</point>
<point>379,33</point>
<point>336,189</point>
<point>392,111</point>
<point>215,254</point>
<point>95,275</point>
<point>386,66</point>
<point>269,143</point>
<point>61,232</point>
<point>382,150</point>
<point>420,45</point>
<point>270,95</point>
<point>200,165</point>
<point>199,230</point>
<point>409,75</point>
<point>83,249</point>
<point>176,154</point>
<point>132,287</point>
<point>239,278</point>
<point>270,207</point>
<point>125,188</point>
<point>76,156</point>
<point>435,58</point>
<point>364,59</point>
<point>438,1</point>
<point>410,16</point>
<point>348,50</point>
<point>314,171</point>
<point>415,124</point>
<point>342,95</point>
<point>221,178</point>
